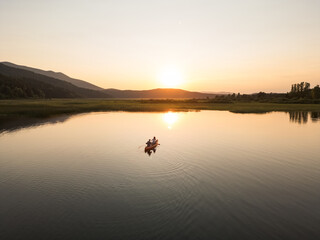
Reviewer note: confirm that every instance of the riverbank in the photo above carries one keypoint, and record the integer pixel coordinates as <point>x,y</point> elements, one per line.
<point>47,108</point>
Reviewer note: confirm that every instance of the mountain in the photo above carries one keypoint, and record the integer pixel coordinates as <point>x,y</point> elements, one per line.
<point>56,75</point>
<point>156,93</point>
<point>24,82</point>
<point>19,83</point>
<point>30,88</point>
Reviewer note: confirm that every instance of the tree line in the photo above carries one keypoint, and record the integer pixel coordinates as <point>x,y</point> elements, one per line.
<point>300,93</point>
<point>16,88</point>
<point>303,90</point>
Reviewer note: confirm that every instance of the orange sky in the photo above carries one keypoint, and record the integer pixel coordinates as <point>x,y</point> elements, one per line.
<point>238,46</point>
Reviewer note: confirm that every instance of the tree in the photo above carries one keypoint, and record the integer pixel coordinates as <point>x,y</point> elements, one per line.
<point>315,93</point>
<point>306,86</point>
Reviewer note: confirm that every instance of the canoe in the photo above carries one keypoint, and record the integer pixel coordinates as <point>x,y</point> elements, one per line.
<point>151,147</point>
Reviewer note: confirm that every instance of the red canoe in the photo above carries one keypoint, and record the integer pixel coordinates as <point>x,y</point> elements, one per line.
<point>151,147</point>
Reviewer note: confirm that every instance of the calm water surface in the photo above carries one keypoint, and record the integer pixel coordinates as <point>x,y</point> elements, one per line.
<point>216,175</point>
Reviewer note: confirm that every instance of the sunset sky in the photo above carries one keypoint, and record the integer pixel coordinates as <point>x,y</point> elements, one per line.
<point>234,45</point>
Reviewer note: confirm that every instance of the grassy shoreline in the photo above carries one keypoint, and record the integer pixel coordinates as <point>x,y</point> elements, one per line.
<point>52,107</point>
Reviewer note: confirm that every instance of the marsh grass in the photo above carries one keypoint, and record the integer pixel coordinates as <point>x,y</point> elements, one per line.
<point>47,108</point>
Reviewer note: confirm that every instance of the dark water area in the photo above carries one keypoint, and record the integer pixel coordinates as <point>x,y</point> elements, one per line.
<point>215,175</point>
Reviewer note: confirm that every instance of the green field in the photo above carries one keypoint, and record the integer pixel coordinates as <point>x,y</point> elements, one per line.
<point>46,108</point>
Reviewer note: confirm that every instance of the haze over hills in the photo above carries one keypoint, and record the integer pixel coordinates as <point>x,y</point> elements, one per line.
<point>217,93</point>
<point>18,81</point>
<point>56,75</point>
<point>156,93</point>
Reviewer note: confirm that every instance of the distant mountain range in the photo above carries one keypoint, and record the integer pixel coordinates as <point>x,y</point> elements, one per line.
<point>18,81</point>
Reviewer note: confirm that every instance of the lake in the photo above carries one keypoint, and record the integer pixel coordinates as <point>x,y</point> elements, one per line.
<point>215,175</point>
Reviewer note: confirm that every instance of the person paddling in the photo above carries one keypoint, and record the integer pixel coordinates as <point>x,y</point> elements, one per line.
<point>154,140</point>
<point>148,143</point>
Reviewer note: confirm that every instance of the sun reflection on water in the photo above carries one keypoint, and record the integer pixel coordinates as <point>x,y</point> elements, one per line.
<point>170,118</point>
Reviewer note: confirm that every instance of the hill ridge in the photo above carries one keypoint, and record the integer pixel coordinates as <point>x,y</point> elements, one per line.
<point>20,83</point>
<point>56,75</point>
<point>58,80</point>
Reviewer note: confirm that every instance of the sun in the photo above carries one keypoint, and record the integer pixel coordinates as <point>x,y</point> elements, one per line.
<point>170,78</point>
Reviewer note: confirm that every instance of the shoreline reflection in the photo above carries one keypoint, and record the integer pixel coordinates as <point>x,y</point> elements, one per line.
<point>16,124</point>
<point>302,117</point>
